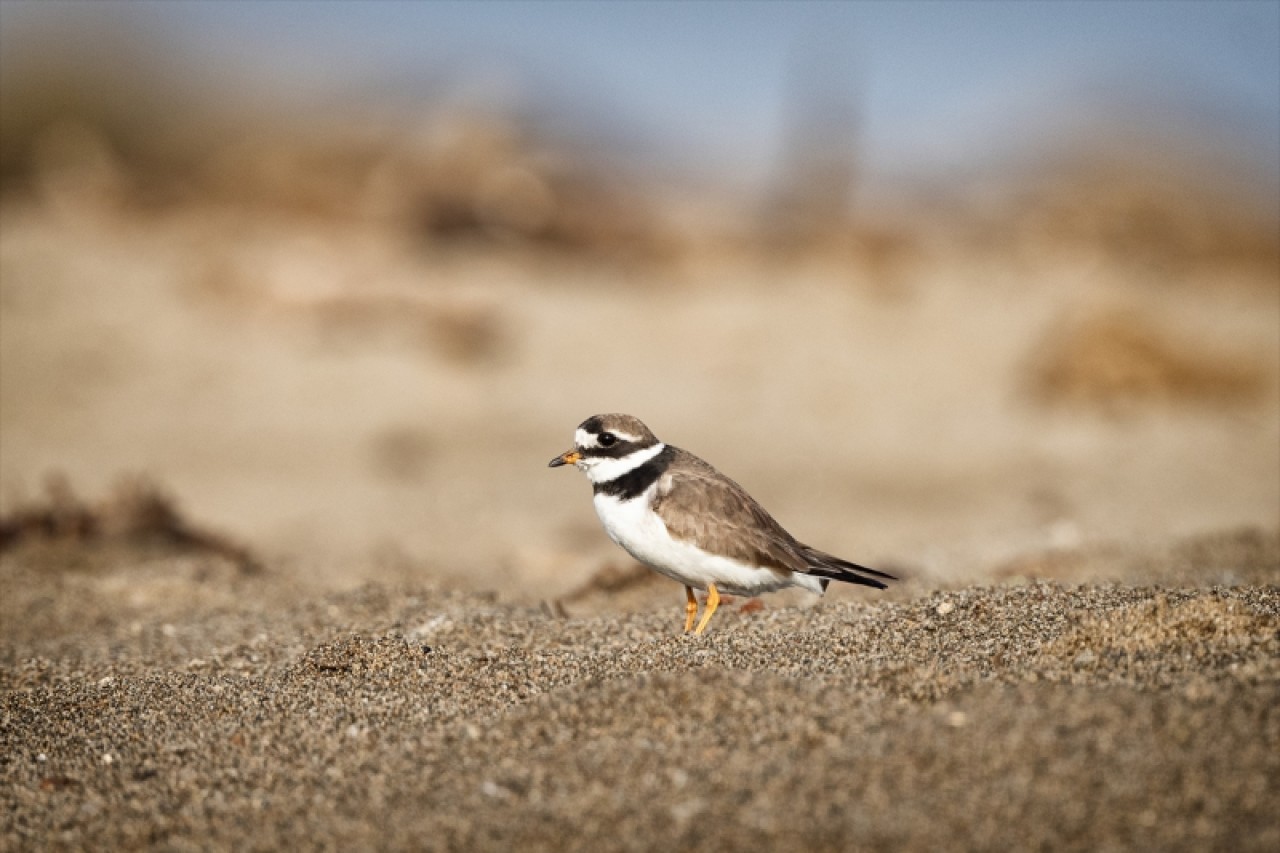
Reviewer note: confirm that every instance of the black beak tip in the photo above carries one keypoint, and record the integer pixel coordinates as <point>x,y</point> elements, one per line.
<point>556,463</point>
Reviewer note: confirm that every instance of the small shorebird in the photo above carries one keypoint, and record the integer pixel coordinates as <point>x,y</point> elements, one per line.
<point>684,519</point>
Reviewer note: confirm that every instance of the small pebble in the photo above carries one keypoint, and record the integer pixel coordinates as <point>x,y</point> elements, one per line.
<point>1085,658</point>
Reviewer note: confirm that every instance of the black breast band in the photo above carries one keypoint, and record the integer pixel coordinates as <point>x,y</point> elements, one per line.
<point>633,483</point>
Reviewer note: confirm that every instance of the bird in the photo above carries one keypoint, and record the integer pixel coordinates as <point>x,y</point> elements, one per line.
<point>684,519</point>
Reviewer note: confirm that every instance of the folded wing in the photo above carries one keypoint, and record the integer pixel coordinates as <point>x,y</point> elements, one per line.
<point>705,507</point>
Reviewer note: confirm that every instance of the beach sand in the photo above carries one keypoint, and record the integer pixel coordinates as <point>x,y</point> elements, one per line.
<point>177,702</point>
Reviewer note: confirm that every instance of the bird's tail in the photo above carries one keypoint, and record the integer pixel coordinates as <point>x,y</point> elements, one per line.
<point>829,567</point>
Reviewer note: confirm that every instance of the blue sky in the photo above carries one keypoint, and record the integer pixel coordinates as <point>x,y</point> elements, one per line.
<point>709,82</point>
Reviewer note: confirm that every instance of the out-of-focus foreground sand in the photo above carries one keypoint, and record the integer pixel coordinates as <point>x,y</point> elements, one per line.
<point>358,611</point>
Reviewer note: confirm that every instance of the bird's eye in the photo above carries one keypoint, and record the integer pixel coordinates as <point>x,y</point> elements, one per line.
<point>607,439</point>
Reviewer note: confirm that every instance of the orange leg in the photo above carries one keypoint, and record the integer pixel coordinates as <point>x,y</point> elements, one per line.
<point>690,610</point>
<point>713,601</point>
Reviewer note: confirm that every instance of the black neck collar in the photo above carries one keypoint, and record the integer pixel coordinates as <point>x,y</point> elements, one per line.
<point>633,483</point>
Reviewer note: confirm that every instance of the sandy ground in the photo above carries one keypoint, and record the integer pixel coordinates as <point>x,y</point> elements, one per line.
<point>180,703</point>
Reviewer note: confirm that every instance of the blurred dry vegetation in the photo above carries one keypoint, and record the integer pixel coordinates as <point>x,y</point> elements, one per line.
<point>155,222</point>
<point>137,516</point>
<point>113,119</point>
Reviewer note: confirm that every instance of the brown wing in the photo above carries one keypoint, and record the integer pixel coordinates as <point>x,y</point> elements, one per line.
<point>702,506</point>
<point>705,507</point>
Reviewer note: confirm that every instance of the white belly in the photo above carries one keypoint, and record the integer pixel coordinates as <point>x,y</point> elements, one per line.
<point>645,537</point>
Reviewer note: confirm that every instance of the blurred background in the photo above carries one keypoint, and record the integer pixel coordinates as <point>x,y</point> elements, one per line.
<point>945,285</point>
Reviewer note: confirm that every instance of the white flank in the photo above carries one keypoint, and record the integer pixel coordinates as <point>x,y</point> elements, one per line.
<point>641,532</point>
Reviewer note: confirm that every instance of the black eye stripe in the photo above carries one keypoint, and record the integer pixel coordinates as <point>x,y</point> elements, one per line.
<point>617,450</point>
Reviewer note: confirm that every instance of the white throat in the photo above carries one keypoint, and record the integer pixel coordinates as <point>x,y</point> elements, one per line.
<point>602,469</point>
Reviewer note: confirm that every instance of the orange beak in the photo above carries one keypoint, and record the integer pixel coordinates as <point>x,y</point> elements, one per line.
<point>569,457</point>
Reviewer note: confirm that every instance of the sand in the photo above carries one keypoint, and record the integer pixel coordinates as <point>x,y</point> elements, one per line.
<point>355,610</point>
<point>169,702</point>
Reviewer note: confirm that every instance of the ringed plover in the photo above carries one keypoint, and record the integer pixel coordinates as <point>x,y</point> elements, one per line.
<point>684,519</point>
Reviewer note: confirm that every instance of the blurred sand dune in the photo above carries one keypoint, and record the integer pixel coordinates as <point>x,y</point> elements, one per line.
<point>349,334</point>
